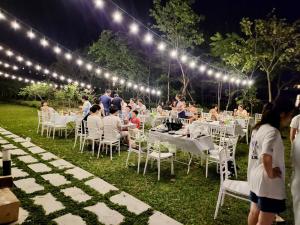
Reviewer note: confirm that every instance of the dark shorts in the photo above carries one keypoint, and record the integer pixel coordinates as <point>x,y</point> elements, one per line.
<point>268,205</point>
<point>182,115</point>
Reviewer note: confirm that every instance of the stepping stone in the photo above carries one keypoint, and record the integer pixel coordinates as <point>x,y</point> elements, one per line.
<point>48,202</point>
<point>6,133</point>
<point>56,179</point>
<point>39,167</point>
<point>23,214</point>
<point>12,136</point>
<point>36,150</point>
<point>17,173</point>
<point>0,154</point>
<point>27,144</point>
<point>28,185</point>
<point>79,173</point>
<point>76,194</point>
<point>19,140</point>
<point>133,204</point>
<point>27,159</point>
<point>2,142</point>
<point>69,219</point>
<point>48,156</point>
<point>159,218</point>
<point>9,146</point>
<point>100,185</point>
<point>18,151</point>
<point>106,215</point>
<point>1,164</point>
<point>61,164</point>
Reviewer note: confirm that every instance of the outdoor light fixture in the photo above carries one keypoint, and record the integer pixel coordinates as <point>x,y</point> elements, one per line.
<point>99,4</point>
<point>15,25</point>
<point>173,54</point>
<point>192,64</point>
<point>183,58</point>
<point>202,68</point>
<point>161,46</point>
<point>210,72</point>
<point>117,17</point>
<point>31,35</point>
<point>57,50</point>
<point>9,53</point>
<point>44,42</point>
<point>218,75</point>
<point>68,56</point>
<point>98,71</point>
<point>2,16</point>
<point>135,86</point>
<point>38,67</point>
<point>148,38</point>
<point>106,75</point>
<point>54,75</point>
<point>79,62</point>
<point>122,81</point>
<point>20,58</point>
<point>15,68</point>
<point>225,78</point>
<point>46,71</point>
<point>62,78</point>
<point>28,63</point>
<point>129,84</point>
<point>89,67</point>
<point>134,28</point>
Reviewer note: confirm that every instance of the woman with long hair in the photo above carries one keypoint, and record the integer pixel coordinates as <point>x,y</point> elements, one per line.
<point>266,167</point>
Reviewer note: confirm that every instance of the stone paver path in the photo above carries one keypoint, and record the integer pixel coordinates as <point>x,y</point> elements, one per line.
<point>69,219</point>
<point>106,215</point>
<point>48,202</point>
<point>58,172</point>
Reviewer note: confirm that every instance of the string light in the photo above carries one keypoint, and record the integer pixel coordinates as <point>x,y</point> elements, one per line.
<point>89,67</point>
<point>68,56</point>
<point>30,35</point>
<point>99,4</point>
<point>38,67</point>
<point>148,38</point>
<point>15,68</point>
<point>2,16</point>
<point>232,80</point>
<point>28,63</point>
<point>79,62</point>
<point>57,50</point>
<point>98,71</point>
<point>173,54</point>
<point>54,75</point>
<point>225,78</point>
<point>134,28</point>
<point>46,71</point>
<point>44,42</point>
<point>218,75</point>
<point>15,25</point>
<point>9,53</point>
<point>202,68</point>
<point>161,46</point>
<point>106,75</point>
<point>122,81</point>
<point>20,59</point>
<point>135,86</point>
<point>210,72</point>
<point>129,84</point>
<point>117,17</point>
<point>183,58</point>
<point>192,64</point>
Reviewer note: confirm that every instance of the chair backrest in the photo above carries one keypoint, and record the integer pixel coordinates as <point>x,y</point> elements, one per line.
<point>78,125</point>
<point>84,128</point>
<point>184,121</point>
<point>218,134</point>
<point>231,144</point>
<point>93,131</point>
<point>223,156</point>
<point>110,133</point>
<point>206,116</point>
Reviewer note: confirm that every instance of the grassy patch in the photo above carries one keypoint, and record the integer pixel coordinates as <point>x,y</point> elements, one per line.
<point>190,199</point>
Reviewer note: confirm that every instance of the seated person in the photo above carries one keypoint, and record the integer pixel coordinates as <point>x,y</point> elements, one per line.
<point>126,114</point>
<point>160,111</point>
<point>113,122</point>
<point>214,112</point>
<point>192,112</point>
<point>132,104</point>
<point>46,110</point>
<point>141,107</point>
<point>134,119</point>
<point>94,121</point>
<point>240,112</point>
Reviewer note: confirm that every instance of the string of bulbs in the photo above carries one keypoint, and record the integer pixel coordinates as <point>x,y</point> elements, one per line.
<point>69,56</point>
<point>148,37</point>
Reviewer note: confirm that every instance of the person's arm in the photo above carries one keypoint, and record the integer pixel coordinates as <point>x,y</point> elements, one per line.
<point>267,162</point>
<point>293,132</point>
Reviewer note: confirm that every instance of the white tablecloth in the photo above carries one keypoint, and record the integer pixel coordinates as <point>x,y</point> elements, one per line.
<point>193,146</point>
<point>230,129</point>
<point>64,119</point>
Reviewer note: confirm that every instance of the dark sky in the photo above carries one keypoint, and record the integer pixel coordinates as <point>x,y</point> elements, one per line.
<point>76,24</point>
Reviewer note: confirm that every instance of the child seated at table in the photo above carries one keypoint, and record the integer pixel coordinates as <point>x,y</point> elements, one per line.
<point>134,119</point>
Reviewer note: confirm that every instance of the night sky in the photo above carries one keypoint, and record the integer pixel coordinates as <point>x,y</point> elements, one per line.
<point>76,23</point>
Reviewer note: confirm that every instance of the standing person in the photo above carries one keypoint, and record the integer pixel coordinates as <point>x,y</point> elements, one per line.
<point>266,168</point>
<point>179,105</point>
<point>86,106</point>
<point>106,101</point>
<point>117,102</point>
<point>295,127</point>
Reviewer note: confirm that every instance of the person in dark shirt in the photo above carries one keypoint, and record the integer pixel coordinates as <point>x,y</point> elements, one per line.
<point>117,102</point>
<point>106,101</point>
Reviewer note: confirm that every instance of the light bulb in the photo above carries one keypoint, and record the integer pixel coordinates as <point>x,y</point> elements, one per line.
<point>192,64</point>
<point>158,93</point>
<point>98,71</point>
<point>202,68</point>
<point>117,17</point>
<point>20,58</point>
<point>218,75</point>
<point>161,46</point>
<point>89,67</point>
<point>129,84</point>
<point>57,50</point>
<point>38,67</point>
<point>31,35</point>
<point>134,28</point>
<point>106,75</point>
<point>46,71</point>
<point>54,75</point>
<point>135,86</point>
<point>28,63</point>
<point>148,38</point>
<point>210,72</point>
<point>122,81</point>
<point>173,53</point>
<point>44,42</point>
<point>15,25</point>
<point>68,56</point>
<point>99,4</point>
<point>15,68</point>
<point>225,78</point>
<point>183,58</point>
<point>9,53</point>
<point>2,16</point>
<point>79,62</point>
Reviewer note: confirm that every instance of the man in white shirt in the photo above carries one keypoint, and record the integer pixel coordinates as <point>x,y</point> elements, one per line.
<point>295,127</point>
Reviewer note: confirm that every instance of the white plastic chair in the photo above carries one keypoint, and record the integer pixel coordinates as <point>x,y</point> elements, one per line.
<point>135,145</point>
<point>43,122</point>
<point>110,139</point>
<point>79,133</point>
<point>234,188</point>
<point>206,116</point>
<point>185,121</point>
<point>92,134</point>
<point>245,127</point>
<point>154,152</point>
<point>56,125</point>
<point>39,120</point>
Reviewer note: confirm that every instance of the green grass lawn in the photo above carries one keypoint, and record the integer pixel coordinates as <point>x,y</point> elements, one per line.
<point>190,199</point>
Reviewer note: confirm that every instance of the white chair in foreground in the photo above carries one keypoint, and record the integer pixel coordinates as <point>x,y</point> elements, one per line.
<point>154,152</point>
<point>234,188</point>
<point>43,122</point>
<point>94,135</point>
<point>245,127</point>
<point>135,145</point>
<point>57,125</point>
<point>110,139</point>
<point>79,132</point>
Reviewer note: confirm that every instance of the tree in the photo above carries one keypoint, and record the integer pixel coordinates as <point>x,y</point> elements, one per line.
<point>180,25</point>
<point>43,91</point>
<point>270,45</point>
<point>113,52</point>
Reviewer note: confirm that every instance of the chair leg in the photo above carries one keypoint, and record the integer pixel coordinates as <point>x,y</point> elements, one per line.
<point>158,168</point>
<point>99,148</point>
<point>38,128</point>
<point>128,156</point>
<point>75,141</point>
<point>146,163</point>
<point>93,147</point>
<point>139,161</point>
<point>235,171</point>
<point>53,132</point>
<point>110,151</point>
<point>218,203</point>
<point>119,147</point>
<point>172,166</point>
<point>80,142</point>
<point>66,133</point>
<point>206,168</point>
<point>82,146</point>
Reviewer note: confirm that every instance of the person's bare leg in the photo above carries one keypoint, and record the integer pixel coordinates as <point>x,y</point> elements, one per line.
<point>253,214</point>
<point>265,218</point>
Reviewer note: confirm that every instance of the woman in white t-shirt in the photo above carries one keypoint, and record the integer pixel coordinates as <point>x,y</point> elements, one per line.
<point>266,168</point>
<point>94,122</point>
